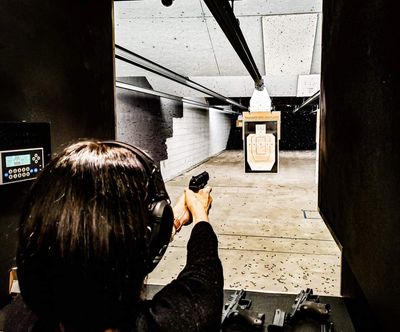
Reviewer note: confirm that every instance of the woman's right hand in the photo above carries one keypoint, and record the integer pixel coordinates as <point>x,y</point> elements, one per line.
<point>199,203</point>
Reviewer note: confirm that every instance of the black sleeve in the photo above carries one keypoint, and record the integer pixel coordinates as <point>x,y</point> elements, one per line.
<point>18,317</point>
<point>192,302</point>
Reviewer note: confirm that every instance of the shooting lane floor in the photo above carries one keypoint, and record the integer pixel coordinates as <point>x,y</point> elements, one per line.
<point>271,237</point>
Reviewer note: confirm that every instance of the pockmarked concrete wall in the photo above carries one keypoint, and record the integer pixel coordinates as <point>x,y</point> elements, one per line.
<point>143,120</point>
<point>197,136</point>
<point>176,135</point>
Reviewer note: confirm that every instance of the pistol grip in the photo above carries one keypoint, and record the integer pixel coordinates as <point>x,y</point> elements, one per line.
<point>319,310</point>
<point>249,318</point>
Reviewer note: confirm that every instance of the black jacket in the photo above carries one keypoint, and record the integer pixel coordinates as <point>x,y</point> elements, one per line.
<point>190,303</point>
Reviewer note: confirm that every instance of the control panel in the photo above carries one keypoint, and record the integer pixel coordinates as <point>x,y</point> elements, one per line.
<point>20,165</point>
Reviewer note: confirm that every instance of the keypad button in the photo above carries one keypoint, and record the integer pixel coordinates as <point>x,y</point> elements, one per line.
<point>28,174</point>
<point>19,175</point>
<point>6,175</point>
<point>35,170</point>
<point>10,176</point>
<point>28,169</point>
<point>19,170</point>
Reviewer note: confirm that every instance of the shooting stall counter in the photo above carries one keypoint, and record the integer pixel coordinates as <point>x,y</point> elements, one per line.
<point>261,134</point>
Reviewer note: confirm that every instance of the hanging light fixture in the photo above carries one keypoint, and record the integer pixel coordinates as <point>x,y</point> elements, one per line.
<point>260,100</point>
<point>223,14</point>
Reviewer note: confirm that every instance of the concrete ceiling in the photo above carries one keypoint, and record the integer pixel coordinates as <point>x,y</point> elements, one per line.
<point>284,37</point>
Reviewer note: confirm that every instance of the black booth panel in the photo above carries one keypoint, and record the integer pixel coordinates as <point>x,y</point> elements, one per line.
<point>56,66</point>
<point>359,183</point>
<point>16,136</point>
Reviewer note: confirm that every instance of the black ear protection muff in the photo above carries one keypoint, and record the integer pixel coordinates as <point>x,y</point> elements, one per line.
<point>161,216</point>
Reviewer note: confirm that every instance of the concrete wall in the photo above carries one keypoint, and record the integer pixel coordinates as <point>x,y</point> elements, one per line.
<point>56,66</point>
<point>220,127</point>
<point>177,135</point>
<point>198,135</point>
<point>144,120</point>
<point>359,192</point>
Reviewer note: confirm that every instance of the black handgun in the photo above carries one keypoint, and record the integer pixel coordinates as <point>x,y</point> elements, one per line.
<point>237,311</point>
<point>198,182</point>
<point>306,304</point>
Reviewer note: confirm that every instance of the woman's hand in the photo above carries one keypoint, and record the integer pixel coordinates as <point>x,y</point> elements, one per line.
<point>190,207</point>
<point>181,214</point>
<point>199,203</point>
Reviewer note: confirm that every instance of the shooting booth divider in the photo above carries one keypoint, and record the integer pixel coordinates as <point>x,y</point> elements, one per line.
<point>261,134</point>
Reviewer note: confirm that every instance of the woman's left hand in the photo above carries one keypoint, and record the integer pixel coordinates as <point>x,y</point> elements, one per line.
<point>181,214</point>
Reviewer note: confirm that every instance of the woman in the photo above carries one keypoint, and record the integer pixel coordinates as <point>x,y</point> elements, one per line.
<point>84,252</point>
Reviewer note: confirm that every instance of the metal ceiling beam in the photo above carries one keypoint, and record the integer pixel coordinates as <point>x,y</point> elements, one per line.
<point>223,14</point>
<point>308,101</point>
<point>132,58</point>
<point>131,87</point>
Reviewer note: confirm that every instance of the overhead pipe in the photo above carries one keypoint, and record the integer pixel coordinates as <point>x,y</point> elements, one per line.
<point>308,101</point>
<point>131,87</point>
<point>132,58</point>
<point>223,14</point>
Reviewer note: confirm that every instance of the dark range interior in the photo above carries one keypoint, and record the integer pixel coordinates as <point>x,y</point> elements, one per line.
<point>359,159</point>
<point>57,67</point>
<point>297,127</point>
<point>51,71</point>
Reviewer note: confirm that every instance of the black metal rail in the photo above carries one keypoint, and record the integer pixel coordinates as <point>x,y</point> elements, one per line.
<point>223,14</point>
<point>132,58</point>
<point>131,87</point>
<point>308,101</point>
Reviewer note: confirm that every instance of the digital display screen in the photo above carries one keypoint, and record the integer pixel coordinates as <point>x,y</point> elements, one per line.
<point>18,160</point>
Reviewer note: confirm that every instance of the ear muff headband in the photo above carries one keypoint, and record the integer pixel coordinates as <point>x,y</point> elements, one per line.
<point>161,216</point>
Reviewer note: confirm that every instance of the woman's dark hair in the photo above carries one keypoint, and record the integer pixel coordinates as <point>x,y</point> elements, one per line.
<point>82,238</point>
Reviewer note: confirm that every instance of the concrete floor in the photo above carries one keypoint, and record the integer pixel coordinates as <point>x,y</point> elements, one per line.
<point>271,237</point>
